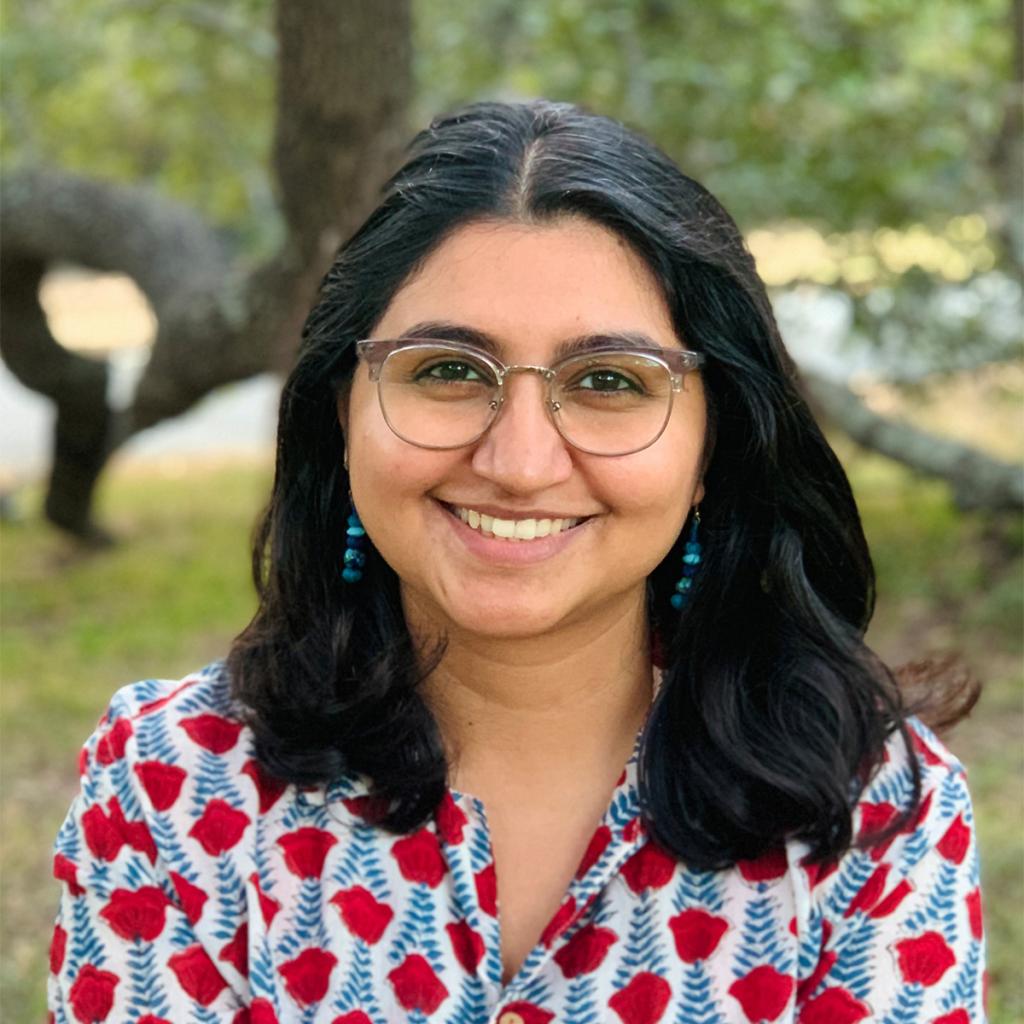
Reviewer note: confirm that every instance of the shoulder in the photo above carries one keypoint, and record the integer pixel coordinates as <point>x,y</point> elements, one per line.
<point>895,857</point>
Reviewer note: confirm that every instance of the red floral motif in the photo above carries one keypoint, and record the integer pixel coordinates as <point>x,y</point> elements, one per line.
<point>834,1006</point>
<point>826,961</point>
<point>874,818</point>
<point>486,883</point>
<point>64,870</point>
<point>268,788</point>
<point>924,959</point>
<point>954,844</point>
<point>220,827</point>
<point>888,905</point>
<point>643,1000</point>
<point>561,920</point>
<point>697,934</point>
<point>929,755</point>
<point>197,974</point>
<point>160,702</point>
<point>416,985</point>
<point>451,820</point>
<point>138,914</point>
<point>307,976</point>
<point>370,808</point>
<point>190,896</point>
<point>353,1017</point>
<point>585,951</point>
<point>305,850</point>
<point>529,1012</point>
<point>111,745</point>
<point>419,858</point>
<point>763,993</point>
<point>364,915</point>
<point>268,905</point>
<point>869,893</point>
<point>152,1018</point>
<point>212,732</point>
<point>649,868</point>
<point>236,951</point>
<point>632,829</point>
<point>58,944</point>
<point>162,782</point>
<point>107,831</point>
<point>974,915</point>
<point>83,761</point>
<point>598,844</point>
<point>92,994</point>
<point>467,946</point>
<point>956,1017</point>
<point>262,1012</point>
<point>102,835</point>
<point>817,873</point>
<point>766,868</point>
<point>136,833</point>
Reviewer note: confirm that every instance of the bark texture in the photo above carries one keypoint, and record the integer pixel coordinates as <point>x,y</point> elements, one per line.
<point>344,86</point>
<point>978,481</point>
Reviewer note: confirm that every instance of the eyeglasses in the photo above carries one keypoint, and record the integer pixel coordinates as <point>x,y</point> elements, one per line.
<point>603,401</point>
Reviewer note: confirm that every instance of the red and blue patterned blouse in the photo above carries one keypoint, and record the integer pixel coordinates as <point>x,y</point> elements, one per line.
<point>197,889</point>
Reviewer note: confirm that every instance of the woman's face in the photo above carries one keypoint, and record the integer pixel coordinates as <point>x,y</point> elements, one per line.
<point>528,288</point>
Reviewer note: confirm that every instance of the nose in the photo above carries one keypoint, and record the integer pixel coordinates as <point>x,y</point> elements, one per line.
<point>523,452</point>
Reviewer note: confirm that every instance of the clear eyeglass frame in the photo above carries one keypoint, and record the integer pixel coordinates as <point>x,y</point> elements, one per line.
<point>677,362</point>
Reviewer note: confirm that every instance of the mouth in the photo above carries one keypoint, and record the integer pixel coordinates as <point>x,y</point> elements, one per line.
<point>524,529</point>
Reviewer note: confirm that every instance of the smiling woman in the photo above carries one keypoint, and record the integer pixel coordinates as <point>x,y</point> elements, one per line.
<point>556,705</point>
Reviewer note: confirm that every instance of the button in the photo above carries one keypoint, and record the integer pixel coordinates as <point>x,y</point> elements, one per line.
<point>511,1017</point>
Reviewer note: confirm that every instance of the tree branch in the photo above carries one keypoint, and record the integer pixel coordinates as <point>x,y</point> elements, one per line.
<point>978,481</point>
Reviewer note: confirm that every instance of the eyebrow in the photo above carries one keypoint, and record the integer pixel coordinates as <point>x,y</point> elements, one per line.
<point>444,330</point>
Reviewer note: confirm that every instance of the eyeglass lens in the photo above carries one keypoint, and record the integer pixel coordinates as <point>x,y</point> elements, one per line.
<point>607,404</point>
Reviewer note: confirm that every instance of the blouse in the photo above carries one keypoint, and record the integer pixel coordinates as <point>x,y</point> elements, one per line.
<point>196,888</point>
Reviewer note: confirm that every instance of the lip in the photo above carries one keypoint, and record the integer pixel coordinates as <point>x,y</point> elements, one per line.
<point>510,553</point>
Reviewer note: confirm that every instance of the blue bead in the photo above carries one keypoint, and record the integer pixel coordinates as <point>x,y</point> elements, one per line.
<point>351,575</point>
<point>684,584</point>
<point>691,559</point>
<point>692,548</point>
<point>677,601</point>
<point>353,520</point>
<point>355,531</point>
<point>354,558</point>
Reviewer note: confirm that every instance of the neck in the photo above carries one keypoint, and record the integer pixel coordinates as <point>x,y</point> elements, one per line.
<point>521,711</point>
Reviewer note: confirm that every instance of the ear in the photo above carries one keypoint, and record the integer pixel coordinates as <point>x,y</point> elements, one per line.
<point>698,494</point>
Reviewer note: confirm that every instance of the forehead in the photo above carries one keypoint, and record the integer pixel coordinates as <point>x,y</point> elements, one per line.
<point>533,285</point>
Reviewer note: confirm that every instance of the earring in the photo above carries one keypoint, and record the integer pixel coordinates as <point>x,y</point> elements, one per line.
<point>355,541</point>
<point>691,559</point>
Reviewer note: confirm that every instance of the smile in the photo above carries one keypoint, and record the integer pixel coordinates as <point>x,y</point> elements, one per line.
<point>513,529</point>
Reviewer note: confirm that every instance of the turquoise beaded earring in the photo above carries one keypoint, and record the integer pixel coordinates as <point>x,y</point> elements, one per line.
<point>355,542</point>
<point>691,559</point>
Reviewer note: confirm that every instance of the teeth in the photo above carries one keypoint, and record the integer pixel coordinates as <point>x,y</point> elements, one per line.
<point>514,529</point>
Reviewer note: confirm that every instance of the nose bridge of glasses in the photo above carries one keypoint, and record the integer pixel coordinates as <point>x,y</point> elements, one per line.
<point>546,375</point>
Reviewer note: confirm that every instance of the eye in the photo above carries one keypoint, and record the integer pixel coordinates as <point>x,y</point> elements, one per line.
<point>451,370</point>
<point>607,380</point>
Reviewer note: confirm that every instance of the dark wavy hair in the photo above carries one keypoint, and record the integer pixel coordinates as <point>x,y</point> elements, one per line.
<point>772,712</point>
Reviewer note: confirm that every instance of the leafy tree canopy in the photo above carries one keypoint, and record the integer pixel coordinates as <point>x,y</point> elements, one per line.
<point>852,113</point>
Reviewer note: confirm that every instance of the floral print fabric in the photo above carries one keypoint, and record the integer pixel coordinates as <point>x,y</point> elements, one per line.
<point>197,888</point>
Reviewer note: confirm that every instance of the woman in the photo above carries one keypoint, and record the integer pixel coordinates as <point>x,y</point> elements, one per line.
<point>548,503</point>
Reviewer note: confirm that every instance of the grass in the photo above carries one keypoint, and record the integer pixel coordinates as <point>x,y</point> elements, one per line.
<point>171,596</point>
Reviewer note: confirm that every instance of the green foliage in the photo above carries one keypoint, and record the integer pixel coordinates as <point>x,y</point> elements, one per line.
<point>855,112</point>
<point>178,96</point>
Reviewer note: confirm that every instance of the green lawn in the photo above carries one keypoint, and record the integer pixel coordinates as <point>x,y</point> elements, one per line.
<point>172,595</point>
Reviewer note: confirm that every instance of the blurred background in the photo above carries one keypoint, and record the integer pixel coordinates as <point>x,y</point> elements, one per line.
<point>176,175</point>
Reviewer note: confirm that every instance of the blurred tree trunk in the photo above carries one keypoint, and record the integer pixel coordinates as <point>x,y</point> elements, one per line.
<point>343,88</point>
